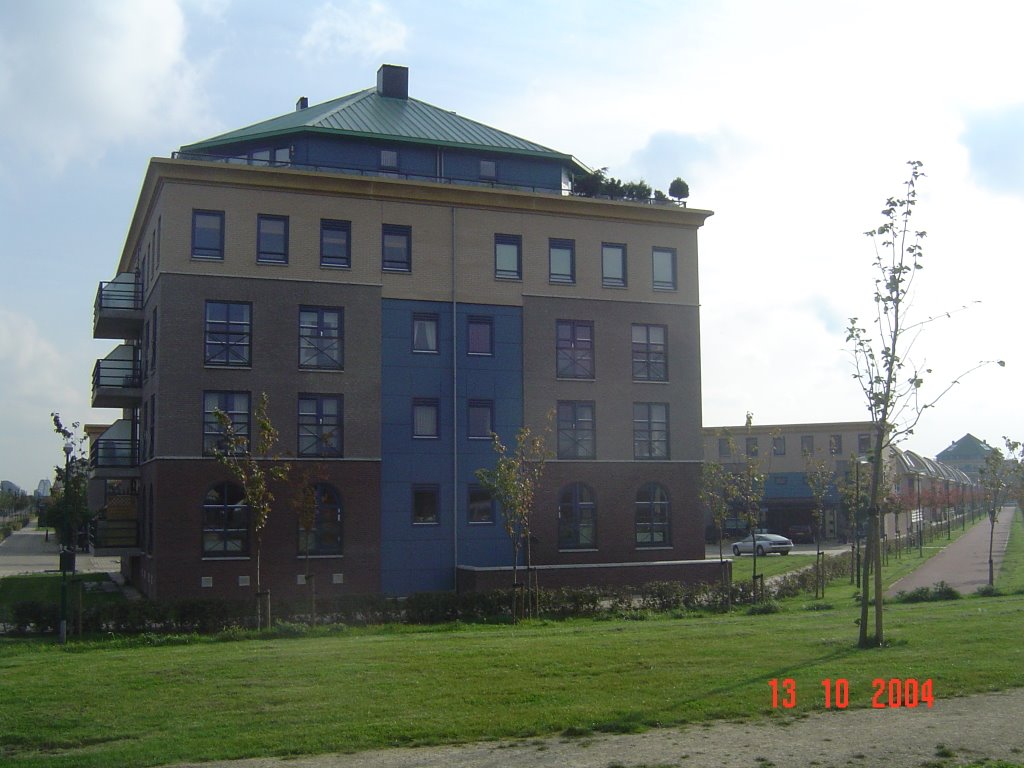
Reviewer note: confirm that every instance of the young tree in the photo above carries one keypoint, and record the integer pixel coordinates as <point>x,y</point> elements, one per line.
<point>513,484</point>
<point>303,503</point>
<point>253,465</point>
<point>749,490</point>
<point>69,512</point>
<point>716,491</point>
<point>889,379</point>
<point>819,480</point>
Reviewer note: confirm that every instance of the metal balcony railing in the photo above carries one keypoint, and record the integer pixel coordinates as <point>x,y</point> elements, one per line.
<point>116,294</point>
<point>116,374</point>
<point>108,453</point>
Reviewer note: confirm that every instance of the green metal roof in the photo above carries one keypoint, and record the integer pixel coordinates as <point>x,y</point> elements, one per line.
<point>367,114</point>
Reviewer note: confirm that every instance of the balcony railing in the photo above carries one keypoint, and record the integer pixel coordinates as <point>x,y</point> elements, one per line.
<point>117,312</point>
<point>116,383</point>
<point>114,453</point>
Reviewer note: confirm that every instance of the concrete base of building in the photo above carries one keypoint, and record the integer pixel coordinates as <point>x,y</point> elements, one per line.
<point>475,579</point>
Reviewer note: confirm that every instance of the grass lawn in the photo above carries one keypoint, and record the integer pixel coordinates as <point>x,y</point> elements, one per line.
<point>1011,575</point>
<point>151,701</point>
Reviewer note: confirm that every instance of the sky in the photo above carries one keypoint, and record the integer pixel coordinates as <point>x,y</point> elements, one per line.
<point>792,121</point>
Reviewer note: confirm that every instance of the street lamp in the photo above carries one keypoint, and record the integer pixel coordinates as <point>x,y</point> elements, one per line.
<point>62,632</point>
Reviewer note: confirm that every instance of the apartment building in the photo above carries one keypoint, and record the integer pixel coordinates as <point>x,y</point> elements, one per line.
<point>400,282</point>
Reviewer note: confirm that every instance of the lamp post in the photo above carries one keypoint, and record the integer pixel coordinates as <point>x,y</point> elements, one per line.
<point>62,632</point>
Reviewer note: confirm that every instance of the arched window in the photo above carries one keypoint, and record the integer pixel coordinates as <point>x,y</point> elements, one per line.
<point>653,510</point>
<point>225,522</point>
<point>577,517</point>
<point>323,534</point>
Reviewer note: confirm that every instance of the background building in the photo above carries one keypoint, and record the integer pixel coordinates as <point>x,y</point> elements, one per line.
<point>400,281</point>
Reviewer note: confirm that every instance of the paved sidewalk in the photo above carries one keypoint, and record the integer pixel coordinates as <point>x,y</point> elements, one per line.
<point>964,563</point>
<point>28,551</point>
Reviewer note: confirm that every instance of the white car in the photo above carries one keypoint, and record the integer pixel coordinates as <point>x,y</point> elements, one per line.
<point>765,544</point>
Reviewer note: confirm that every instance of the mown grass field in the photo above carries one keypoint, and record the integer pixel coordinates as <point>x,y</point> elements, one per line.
<point>152,701</point>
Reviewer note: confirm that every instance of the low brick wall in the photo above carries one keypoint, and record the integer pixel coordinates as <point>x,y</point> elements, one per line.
<point>472,579</point>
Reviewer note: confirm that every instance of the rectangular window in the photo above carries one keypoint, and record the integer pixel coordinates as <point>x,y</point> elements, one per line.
<point>320,425</point>
<point>272,239</point>
<point>664,268</point>
<point>388,160</point>
<point>613,265</point>
<point>751,446</point>
<point>480,423</point>
<point>508,257</point>
<point>807,445</point>
<point>863,444</point>
<point>153,348</point>
<point>324,536</point>
<point>561,261</point>
<point>321,337</point>
<point>576,434</point>
<point>480,339</point>
<point>778,446</point>
<point>650,430</point>
<point>335,243</point>
<point>225,521</point>
<point>835,445</point>
<point>228,333</point>
<point>724,447</point>
<point>424,504</point>
<point>396,248</point>
<point>207,234</point>
<point>480,506</point>
<point>650,353</point>
<point>574,349</point>
<point>424,333</point>
<point>425,418</point>
<point>236,406</point>
<point>488,170</point>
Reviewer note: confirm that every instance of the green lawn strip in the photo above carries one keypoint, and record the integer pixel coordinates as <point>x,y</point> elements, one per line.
<point>769,565</point>
<point>377,688</point>
<point>1011,574</point>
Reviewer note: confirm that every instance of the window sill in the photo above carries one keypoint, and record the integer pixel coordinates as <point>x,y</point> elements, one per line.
<point>574,378</point>
<point>668,288</point>
<point>652,381</point>
<point>480,522</point>
<point>647,547</point>
<point>335,266</point>
<point>427,523</point>
<point>510,278</point>
<point>215,367</point>
<point>207,258</point>
<point>235,558</point>
<point>319,557</point>
<point>397,270</point>
<point>316,369</point>
<point>579,549</point>
<point>614,285</point>
<point>555,281</point>
<point>270,263</point>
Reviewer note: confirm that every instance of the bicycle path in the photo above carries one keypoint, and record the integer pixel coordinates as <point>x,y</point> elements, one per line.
<point>962,564</point>
<point>30,550</point>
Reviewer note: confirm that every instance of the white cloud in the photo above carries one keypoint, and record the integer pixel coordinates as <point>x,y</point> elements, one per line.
<point>81,77</point>
<point>36,380</point>
<point>353,29</point>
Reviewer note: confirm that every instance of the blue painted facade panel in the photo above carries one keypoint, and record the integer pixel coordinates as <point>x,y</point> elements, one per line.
<point>418,557</point>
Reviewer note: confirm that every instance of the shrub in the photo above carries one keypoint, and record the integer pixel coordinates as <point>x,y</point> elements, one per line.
<point>764,607</point>
<point>940,591</point>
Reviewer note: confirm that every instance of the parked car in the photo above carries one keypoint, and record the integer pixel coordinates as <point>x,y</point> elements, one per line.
<point>802,533</point>
<point>765,544</point>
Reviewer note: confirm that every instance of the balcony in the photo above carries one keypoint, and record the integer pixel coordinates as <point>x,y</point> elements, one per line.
<point>117,313</point>
<point>115,453</point>
<point>117,379</point>
<point>116,526</point>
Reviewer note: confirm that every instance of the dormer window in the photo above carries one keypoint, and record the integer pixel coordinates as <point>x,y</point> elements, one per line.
<point>388,160</point>
<point>488,170</point>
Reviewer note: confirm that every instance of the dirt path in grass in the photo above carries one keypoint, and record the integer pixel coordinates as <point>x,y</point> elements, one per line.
<point>953,732</point>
